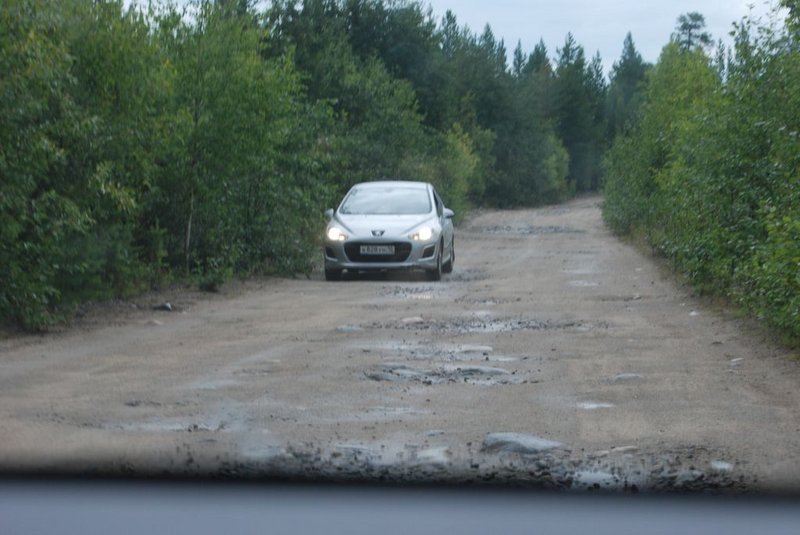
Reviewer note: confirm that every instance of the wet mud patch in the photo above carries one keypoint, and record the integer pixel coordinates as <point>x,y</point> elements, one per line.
<point>349,329</point>
<point>550,212</point>
<point>486,301</point>
<point>683,469</point>
<point>625,378</point>
<point>429,350</point>
<point>392,412</point>
<point>176,425</point>
<point>594,405</point>
<point>484,325</point>
<point>142,403</point>
<point>583,284</point>
<point>448,373</point>
<point>252,372</point>
<point>226,418</point>
<point>214,383</point>
<point>620,298</point>
<point>416,293</point>
<point>525,230</point>
<point>579,253</point>
<point>581,270</point>
<point>467,275</point>
<point>509,461</point>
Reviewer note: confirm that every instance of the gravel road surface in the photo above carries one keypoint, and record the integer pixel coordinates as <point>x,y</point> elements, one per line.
<point>554,356</point>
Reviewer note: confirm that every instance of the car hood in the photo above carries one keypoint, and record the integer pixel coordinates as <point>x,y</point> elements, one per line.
<point>392,225</point>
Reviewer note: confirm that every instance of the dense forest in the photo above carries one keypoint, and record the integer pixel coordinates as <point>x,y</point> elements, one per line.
<point>202,140</point>
<point>205,139</point>
<point>709,173</point>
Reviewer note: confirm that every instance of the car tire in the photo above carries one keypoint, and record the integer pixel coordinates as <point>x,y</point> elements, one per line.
<point>333,274</point>
<point>447,267</point>
<point>436,273</point>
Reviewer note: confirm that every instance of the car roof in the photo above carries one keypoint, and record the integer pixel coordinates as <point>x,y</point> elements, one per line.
<point>393,183</point>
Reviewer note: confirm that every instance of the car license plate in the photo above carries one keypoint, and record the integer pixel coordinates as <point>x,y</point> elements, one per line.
<point>377,249</point>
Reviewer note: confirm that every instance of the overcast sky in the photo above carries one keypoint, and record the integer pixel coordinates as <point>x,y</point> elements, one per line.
<point>597,25</point>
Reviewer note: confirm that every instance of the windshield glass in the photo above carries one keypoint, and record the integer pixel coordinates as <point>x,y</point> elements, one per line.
<point>390,200</point>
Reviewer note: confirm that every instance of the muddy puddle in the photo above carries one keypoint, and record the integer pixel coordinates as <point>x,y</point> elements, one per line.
<point>486,301</point>
<point>583,284</point>
<point>621,298</point>
<point>594,405</point>
<point>429,350</point>
<point>509,459</point>
<point>415,293</point>
<point>145,416</point>
<point>466,275</point>
<point>488,325</point>
<point>177,425</point>
<point>525,230</point>
<point>447,373</point>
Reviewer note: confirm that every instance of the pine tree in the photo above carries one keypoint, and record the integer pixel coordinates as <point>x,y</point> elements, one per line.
<point>520,63</point>
<point>624,94</point>
<point>573,110</point>
<point>539,62</point>
<point>690,34</point>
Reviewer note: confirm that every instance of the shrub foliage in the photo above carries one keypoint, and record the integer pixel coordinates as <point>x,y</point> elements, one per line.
<point>710,174</point>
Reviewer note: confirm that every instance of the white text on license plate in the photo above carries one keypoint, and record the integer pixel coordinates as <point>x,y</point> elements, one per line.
<point>377,249</point>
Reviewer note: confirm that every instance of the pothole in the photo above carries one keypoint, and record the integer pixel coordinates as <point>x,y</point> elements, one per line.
<point>583,284</point>
<point>515,459</point>
<point>482,325</point>
<point>383,457</point>
<point>448,373</point>
<point>213,384</point>
<point>582,267</point>
<point>626,378</point>
<point>526,230</point>
<point>594,405</point>
<point>417,293</point>
<point>248,372</point>
<point>580,271</point>
<point>348,329</point>
<point>396,411</point>
<point>467,275</point>
<point>451,352</point>
<point>176,425</point>
<point>620,298</point>
<point>489,301</point>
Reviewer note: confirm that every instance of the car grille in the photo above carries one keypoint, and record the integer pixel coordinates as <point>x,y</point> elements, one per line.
<point>401,252</point>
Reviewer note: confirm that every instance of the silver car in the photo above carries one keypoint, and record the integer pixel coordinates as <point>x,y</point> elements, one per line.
<point>390,225</point>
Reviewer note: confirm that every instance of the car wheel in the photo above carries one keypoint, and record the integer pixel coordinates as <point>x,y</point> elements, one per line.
<point>447,267</point>
<point>333,275</point>
<point>436,273</point>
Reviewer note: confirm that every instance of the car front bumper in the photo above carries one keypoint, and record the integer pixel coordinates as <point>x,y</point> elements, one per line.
<point>409,255</point>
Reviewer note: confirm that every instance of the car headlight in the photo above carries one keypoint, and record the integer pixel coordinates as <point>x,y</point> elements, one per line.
<point>336,234</point>
<point>422,234</point>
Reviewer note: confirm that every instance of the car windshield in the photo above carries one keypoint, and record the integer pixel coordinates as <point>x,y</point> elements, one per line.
<point>389,200</point>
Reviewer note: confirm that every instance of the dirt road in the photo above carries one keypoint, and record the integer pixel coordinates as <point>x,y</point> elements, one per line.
<point>554,355</point>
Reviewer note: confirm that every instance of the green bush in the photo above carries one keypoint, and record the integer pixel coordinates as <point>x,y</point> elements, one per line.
<point>711,173</point>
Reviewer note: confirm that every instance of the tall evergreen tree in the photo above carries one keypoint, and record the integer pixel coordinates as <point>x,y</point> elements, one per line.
<point>626,88</point>
<point>573,110</point>
<point>597,88</point>
<point>690,32</point>
<point>519,62</point>
<point>539,62</point>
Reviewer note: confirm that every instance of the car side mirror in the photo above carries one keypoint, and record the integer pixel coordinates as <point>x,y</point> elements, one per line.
<point>329,213</point>
<point>448,213</point>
